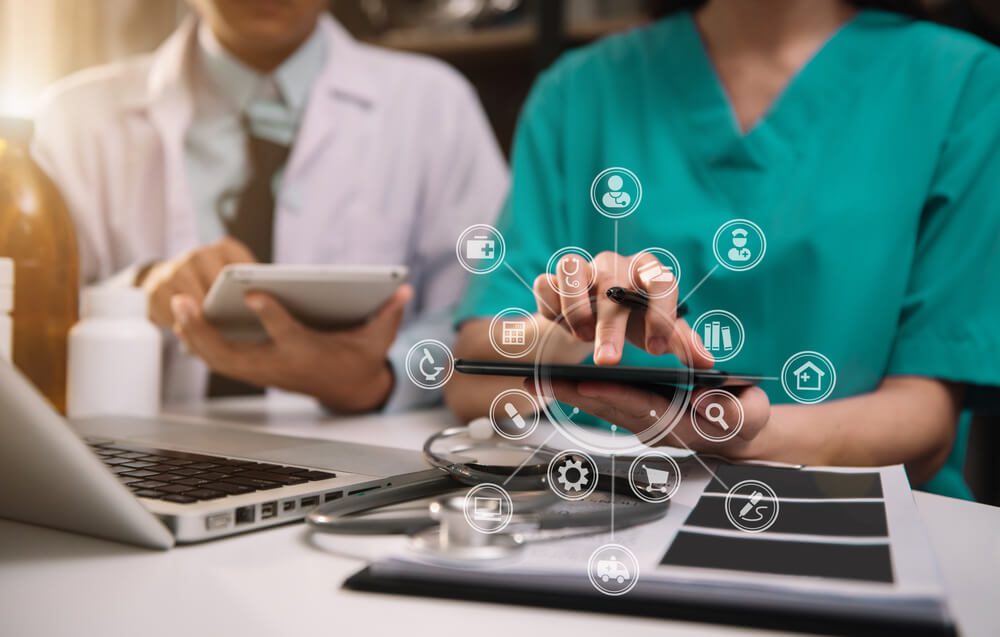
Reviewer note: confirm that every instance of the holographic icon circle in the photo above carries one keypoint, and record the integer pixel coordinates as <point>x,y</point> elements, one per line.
<point>752,506</point>
<point>430,364</point>
<point>654,477</point>
<point>480,249</point>
<point>488,508</point>
<point>723,413</point>
<point>808,377</point>
<point>514,414</point>
<point>616,192</point>
<point>739,245</point>
<point>613,569</point>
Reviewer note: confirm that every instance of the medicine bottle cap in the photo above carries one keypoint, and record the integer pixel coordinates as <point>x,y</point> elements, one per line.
<point>6,285</point>
<point>109,301</point>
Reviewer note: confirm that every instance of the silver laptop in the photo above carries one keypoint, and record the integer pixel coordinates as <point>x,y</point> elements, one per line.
<point>155,482</point>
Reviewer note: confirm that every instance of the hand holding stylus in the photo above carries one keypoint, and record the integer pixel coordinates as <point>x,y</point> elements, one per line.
<point>576,298</point>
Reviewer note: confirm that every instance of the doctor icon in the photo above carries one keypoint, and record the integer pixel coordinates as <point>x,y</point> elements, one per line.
<point>739,252</point>
<point>616,197</point>
<point>739,245</point>
<point>616,192</point>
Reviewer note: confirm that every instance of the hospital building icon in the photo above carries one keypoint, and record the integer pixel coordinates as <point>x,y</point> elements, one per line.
<point>808,377</point>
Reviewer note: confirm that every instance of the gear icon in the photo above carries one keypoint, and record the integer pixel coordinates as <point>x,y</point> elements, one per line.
<point>582,473</point>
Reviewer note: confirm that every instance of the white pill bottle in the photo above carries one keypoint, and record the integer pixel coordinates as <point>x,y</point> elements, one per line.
<point>6,307</point>
<point>115,356</point>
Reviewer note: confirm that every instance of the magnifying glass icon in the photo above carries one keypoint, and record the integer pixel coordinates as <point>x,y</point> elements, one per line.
<point>716,413</point>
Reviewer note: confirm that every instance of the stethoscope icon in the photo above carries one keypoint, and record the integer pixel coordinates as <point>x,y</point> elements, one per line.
<point>569,274</point>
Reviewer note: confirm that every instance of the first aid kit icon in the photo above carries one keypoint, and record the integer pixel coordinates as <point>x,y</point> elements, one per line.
<point>480,247</point>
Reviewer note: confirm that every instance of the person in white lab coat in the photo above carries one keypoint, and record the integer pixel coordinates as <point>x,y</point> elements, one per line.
<point>262,131</point>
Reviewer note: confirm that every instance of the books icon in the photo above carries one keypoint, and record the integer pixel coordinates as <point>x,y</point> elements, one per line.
<point>718,338</point>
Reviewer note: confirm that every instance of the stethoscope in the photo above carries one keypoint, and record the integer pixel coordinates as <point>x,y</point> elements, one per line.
<point>432,514</point>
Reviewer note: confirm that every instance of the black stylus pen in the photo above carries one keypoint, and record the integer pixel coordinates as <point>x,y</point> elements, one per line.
<point>636,301</point>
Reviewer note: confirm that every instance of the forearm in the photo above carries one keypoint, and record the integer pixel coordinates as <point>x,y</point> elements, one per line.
<point>907,420</point>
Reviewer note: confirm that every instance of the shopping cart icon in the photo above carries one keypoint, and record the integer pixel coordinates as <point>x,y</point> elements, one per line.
<point>657,479</point>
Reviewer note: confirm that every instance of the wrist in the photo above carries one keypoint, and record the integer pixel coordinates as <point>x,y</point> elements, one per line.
<point>366,392</point>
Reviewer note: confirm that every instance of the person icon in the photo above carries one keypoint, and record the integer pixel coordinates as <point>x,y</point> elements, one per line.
<point>616,198</point>
<point>739,253</point>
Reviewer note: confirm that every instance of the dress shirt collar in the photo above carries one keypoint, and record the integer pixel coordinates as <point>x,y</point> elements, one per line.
<point>239,84</point>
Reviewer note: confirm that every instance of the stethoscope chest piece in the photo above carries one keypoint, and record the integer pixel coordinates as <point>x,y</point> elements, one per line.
<point>454,539</point>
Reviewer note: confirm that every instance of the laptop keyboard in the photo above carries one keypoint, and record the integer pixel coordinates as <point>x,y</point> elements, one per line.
<point>177,476</point>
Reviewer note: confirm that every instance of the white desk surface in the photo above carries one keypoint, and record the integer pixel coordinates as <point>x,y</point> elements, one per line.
<point>274,582</point>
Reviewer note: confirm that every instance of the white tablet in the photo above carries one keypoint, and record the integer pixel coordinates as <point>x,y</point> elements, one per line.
<point>325,297</point>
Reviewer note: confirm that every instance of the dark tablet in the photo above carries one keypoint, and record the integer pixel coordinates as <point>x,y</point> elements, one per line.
<point>634,376</point>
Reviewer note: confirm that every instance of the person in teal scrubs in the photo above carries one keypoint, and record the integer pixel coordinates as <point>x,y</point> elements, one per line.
<point>865,145</point>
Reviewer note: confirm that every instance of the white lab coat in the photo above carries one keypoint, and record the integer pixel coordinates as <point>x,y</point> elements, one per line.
<point>394,159</point>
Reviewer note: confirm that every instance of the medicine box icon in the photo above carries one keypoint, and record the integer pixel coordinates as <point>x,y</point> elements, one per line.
<point>480,247</point>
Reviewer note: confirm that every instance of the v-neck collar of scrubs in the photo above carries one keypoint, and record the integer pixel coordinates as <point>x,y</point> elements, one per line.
<point>714,132</point>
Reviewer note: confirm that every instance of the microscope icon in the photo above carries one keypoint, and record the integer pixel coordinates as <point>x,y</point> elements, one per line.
<point>428,361</point>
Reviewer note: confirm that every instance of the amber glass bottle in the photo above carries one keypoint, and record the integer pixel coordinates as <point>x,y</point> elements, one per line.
<point>36,231</point>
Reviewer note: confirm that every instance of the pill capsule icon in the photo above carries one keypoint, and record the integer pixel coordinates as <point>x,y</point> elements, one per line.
<point>514,415</point>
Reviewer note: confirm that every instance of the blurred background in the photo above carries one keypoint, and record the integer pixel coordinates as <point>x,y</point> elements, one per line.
<point>500,45</point>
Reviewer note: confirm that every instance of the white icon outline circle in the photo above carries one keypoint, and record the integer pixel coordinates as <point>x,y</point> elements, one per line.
<point>698,324</point>
<point>505,500</point>
<point>529,429</point>
<point>552,267</point>
<point>415,350</point>
<point>674,262</point>
<point>595,580</point>
<point>553,475</point>
<point>503,314</point>
<point>501,248</point>
<point>643,494</point>
<point>628,210</point>
<point>773,498</point>
<point>734,430</point>
<point>806,354</point>
<point>725,262</point>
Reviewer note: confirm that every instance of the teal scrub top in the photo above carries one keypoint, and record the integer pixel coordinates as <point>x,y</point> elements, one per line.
<point>875,177</point>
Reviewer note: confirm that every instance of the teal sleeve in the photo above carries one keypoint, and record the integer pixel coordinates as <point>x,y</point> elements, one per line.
<point>948,326</point>
<point>533,220</point>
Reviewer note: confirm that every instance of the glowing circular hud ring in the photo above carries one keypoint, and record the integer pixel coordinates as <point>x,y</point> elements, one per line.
<point>696,329</point>
<point>734,424</point>
<point>753,262</point>
<point>593,565</point>
<point>643,494</point>
<point>481,234</point>
<point>435,376</point>
<point>672,261</point>
<point>530,330</point>
<point>627,210</point>
<point>819,397</point>
<point>552,267</point>
<point>583,481</point>
<point>759,486</point>
<point>595,439</point>
<point>498,519</point>
<point>529,427</point>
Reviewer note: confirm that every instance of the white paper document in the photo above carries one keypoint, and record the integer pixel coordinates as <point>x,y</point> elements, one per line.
<point>844,543</point>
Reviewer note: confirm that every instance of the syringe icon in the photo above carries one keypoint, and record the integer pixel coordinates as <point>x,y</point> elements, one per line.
<point>754,499</point>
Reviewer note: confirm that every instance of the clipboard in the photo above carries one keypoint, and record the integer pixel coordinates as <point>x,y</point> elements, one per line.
<point>635,605</point>
<point>872,574</point>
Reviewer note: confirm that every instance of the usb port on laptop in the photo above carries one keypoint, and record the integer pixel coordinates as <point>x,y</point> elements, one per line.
<point>310,502</point>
